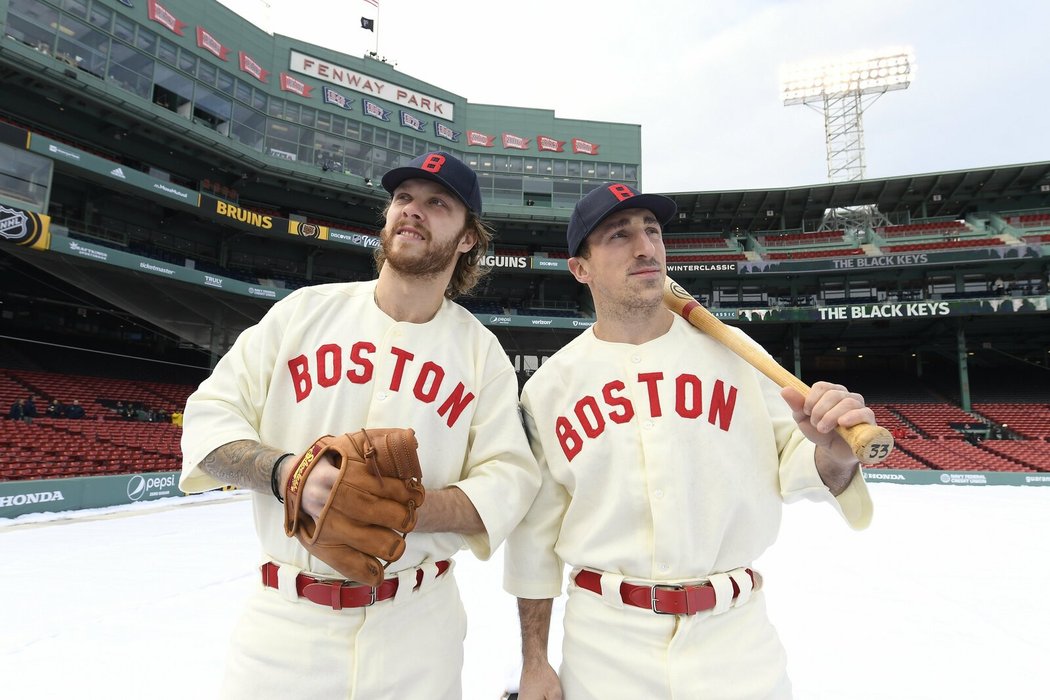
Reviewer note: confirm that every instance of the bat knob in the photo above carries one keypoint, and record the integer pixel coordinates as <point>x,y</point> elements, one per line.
<point>870,443</point>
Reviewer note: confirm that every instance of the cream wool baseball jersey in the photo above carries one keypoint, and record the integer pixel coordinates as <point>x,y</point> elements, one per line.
<point>327,360</point>
<point>664,461</point>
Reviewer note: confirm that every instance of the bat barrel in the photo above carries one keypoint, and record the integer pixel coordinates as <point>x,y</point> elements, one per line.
<point>870,443</point>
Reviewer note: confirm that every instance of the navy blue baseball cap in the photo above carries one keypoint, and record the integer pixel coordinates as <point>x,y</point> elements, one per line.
<point>609,198</point>
<point>444,169</point>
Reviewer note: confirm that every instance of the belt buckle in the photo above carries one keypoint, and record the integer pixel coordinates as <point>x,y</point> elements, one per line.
<point>337,594</point>
<point>665,586</point>
<point>371,590</point>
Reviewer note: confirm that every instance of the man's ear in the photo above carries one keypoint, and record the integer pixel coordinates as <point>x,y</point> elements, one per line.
<point>578,268</point>
<point>467,241</point>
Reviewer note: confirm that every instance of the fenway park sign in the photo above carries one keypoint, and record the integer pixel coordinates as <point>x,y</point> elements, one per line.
<point>359,82</point>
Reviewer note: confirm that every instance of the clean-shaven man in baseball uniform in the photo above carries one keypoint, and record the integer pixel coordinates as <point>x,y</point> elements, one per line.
<point>335,358</point>
<point>665,461</point>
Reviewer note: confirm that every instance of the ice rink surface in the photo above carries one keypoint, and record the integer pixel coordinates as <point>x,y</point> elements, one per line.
<point>944,596</point>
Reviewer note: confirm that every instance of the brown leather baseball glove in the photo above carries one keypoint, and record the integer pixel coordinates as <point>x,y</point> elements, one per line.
<point>371,507</point>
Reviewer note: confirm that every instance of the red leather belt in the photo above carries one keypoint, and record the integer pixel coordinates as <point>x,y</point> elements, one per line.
<point>664,599</point>
<point>342,594</point>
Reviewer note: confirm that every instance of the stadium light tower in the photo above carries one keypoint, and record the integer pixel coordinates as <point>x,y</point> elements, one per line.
<point>841,91</point>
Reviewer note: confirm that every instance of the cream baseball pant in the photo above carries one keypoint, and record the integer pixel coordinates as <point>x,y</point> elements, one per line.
<point>615,651</point>
<point>410,646</point>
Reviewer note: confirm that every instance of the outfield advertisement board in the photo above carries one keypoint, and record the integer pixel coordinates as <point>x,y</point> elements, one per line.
<point>55,495</point>
<point>78,493</point>
<point>935,476</point>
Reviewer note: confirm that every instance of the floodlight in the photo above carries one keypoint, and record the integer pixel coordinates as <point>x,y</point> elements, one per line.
<point>838,90</point>
<point>892,69</point>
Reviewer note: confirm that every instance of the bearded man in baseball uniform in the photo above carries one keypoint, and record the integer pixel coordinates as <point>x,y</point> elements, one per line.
<point>665,460</point>
<point>336,358</point>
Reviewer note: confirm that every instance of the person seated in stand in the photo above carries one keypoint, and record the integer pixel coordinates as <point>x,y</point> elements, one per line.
<point>18,410</point>
<point>74,410</point>
<point>29,410</point>
<point>55,409</point>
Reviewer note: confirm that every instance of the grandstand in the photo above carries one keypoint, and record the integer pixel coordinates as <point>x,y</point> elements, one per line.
<point>184,194</point>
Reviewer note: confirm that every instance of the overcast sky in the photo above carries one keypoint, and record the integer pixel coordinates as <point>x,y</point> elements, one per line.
<point>702,78</point>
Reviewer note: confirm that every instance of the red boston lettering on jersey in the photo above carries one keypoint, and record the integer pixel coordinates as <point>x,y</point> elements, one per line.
<point>650,379</point>
<point>570,440</point>
<point>329,365</point>
<point>626,412</point>
<point>435,374</point>
<point>722,405</point>
<point>364,374</point>
<point>433,163</point>
<point>301,382</point>
<point>427,385</point>
<point>688,402</point>
<point>403,356</point>
<point>591,416</point>
<point>621,192</point>
<point>459,399</point>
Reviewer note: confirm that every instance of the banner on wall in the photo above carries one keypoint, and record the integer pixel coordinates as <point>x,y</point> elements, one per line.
<point>24,228</point>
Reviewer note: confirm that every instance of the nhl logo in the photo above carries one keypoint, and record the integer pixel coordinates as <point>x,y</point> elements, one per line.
<point>14,225</point>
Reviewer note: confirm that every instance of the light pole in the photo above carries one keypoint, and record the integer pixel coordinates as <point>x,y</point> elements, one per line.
<point>841,90</point>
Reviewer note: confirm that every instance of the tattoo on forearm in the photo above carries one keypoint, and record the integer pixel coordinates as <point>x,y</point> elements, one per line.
<point>243,463</point>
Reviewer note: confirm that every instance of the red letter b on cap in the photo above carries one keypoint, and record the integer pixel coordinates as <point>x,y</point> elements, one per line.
<point>433,163</point>
<point>621,192</point>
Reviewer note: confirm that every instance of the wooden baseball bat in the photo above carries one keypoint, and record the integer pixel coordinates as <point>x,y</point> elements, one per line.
<point>870,443</point>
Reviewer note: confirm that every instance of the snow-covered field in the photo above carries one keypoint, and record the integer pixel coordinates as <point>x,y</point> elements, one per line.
<point>944,596</point>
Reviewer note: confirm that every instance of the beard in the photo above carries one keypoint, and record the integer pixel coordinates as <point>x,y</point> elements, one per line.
<point>431,260</point>
<point>630,300</point>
